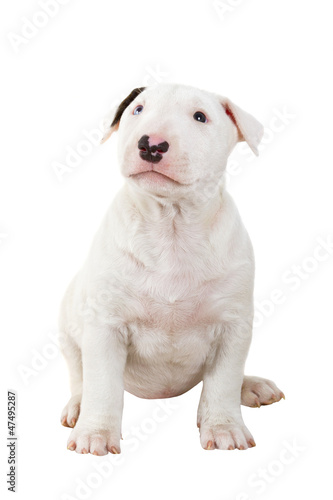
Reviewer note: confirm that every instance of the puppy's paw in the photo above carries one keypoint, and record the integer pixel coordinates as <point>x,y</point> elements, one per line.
<point>225,437</point>
<point>71,412</point>
<point>258,391</point>
<point>84,439</point>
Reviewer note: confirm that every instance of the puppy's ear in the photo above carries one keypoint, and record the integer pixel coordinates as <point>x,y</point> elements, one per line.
<point>119,112</point>
<point>249,129</point>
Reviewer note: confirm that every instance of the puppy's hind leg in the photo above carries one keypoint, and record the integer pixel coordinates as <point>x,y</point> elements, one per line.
<point>72,355</point>
<point>258,391</point>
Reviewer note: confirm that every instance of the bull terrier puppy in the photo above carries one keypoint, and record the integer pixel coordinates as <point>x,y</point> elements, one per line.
<point>165,297</point>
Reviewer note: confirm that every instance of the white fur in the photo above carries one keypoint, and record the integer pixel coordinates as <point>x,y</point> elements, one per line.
<point>165,298</point>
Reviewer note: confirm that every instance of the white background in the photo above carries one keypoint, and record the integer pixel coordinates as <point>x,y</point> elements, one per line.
<point>270,58</point>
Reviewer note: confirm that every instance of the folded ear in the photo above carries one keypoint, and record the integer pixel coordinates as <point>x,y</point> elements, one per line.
<point>119,112</point>
<point>249,129</point>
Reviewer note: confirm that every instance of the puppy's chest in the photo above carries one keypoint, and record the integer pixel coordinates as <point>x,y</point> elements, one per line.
<point>169,290</point>
<point>177,291</point>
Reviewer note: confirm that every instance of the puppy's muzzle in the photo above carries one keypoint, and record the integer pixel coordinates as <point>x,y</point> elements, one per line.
<point>151,152</point>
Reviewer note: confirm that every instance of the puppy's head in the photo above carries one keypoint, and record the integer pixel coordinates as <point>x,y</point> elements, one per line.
<point>174,139</point>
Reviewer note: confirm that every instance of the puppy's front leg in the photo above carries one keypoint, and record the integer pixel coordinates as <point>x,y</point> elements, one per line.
<point>98,429</point>
<point>219,414</point>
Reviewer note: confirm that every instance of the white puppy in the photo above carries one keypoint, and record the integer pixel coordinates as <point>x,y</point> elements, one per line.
<point>165,298</point>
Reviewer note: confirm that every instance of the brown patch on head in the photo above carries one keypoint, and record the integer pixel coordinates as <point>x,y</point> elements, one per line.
<point>125,103</point>
<point>121,108</point>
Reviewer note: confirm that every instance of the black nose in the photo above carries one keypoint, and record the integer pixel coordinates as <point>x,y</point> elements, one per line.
<point>154,153</point>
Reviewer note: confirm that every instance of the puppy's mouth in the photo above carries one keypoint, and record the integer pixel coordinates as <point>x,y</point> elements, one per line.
<point>153,176</point>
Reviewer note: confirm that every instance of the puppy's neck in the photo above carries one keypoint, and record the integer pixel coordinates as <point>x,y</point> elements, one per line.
<point>200,211</point>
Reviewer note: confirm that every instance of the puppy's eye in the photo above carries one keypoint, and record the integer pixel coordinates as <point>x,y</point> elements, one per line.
<point>200,117</point>
<point>138,110</point>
